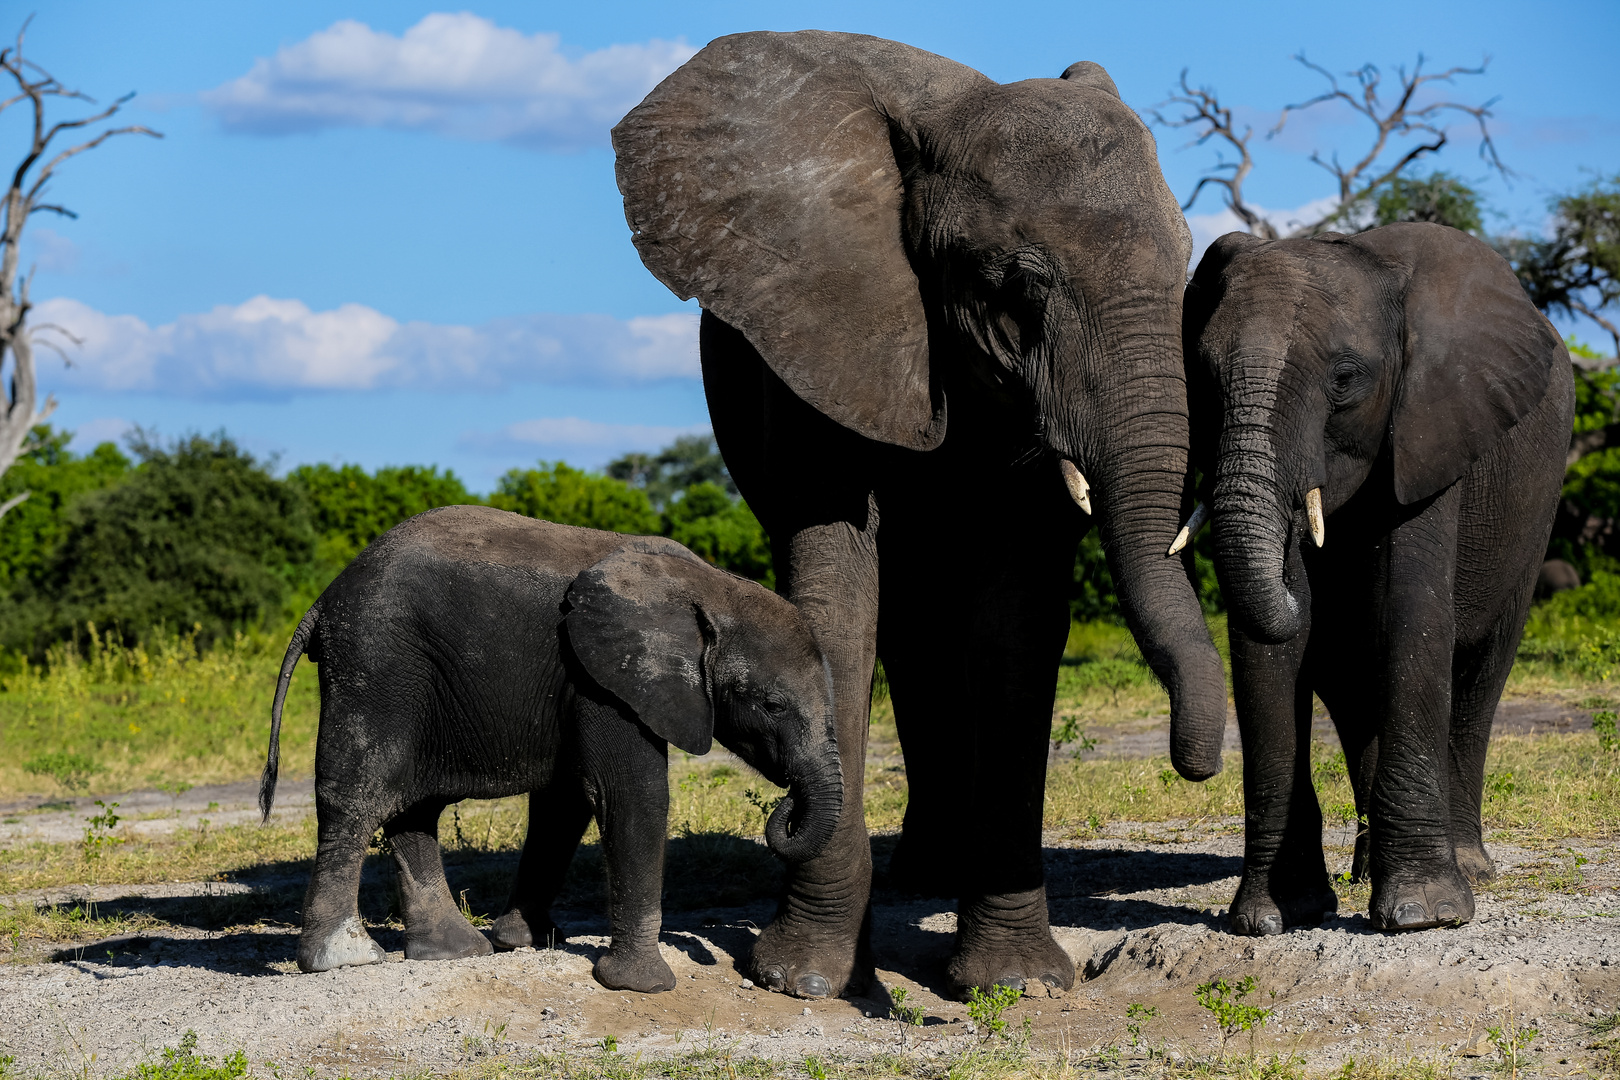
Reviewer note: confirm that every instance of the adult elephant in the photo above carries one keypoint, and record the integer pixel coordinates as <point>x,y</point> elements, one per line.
<point>875,232</point>
<point>1386,425</point>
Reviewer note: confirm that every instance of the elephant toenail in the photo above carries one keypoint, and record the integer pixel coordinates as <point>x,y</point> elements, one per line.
<point>774,979</point>
<point>1271,924</point>
<point>1446,911</point>
<point>1411,915</point>
<point>1011,982</point>
<point>811,986</point>
<point>1052,982</point>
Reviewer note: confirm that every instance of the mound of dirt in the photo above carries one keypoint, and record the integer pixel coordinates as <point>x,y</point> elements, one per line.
<point>1142,918</point>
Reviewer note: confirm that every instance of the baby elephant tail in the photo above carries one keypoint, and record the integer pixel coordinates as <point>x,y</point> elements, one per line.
<point>295,649</point>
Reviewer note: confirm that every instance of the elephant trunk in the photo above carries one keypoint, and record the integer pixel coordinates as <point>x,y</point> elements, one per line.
<point>1252,512</point>
<point>803,822</point>
<point>1140,493</point>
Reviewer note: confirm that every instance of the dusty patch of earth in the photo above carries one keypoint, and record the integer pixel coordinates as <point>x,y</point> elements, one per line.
<point>1140,908</point>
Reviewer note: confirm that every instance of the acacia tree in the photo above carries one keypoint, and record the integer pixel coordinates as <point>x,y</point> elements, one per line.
<point>1410,127</point>
<point>25,197</point>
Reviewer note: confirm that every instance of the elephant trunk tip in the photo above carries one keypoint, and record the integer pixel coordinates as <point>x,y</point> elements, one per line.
<point>1271,623</point>
<point>804,821</point>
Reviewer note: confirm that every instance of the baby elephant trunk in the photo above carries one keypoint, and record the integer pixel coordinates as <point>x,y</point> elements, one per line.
<point>803,822</point>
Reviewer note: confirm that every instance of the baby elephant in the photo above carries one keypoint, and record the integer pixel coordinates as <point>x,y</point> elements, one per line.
<point>1384,419</point>
<point>470,653</point>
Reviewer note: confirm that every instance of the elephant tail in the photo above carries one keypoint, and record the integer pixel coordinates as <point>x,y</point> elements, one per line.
<point>295,649</point>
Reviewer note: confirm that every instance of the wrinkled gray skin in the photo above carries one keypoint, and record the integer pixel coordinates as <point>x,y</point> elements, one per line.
<point>470,653</point>
<point>876,234</point>
<point>1402,371</point>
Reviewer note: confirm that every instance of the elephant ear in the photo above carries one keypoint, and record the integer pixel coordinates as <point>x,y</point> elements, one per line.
<point>635,624</point>
<point>761,178</point>
<point>1478,355</point>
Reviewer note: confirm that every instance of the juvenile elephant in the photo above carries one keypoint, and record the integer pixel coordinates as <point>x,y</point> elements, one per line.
<point>1384,418</point>
<point>875,232</point>
<point>470,653</point>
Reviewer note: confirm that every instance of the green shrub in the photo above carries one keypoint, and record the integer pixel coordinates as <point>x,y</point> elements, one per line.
<point>53,476</point>
<point>351,507</point>
<point>569,496</point>
<point>720,530</point>
<point>199,535</point>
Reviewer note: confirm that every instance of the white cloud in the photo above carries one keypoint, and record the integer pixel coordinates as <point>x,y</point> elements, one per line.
<point>453,74</point>
<point>1207,228</point>
<point>93,433</point>
<point>268,346</point>
<point>572,437</point>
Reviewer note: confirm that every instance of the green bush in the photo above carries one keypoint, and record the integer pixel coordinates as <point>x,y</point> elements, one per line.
<point>569,496</point>
<point>199,534</point>
<point>53,476</point>
<point>720,530</point>
<point>351,507</point>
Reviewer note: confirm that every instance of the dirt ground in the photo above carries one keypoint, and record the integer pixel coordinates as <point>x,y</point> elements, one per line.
<point>1139,907</point>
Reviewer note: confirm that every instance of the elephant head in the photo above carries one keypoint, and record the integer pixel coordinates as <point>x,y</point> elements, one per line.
<point>697,653</point>
<point>1410,346</point>
<point>870,215</point>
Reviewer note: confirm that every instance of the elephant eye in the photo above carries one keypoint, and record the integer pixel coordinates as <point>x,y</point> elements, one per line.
<point>1348,381</point>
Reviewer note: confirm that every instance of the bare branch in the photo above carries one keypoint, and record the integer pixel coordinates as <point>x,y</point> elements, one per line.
<point>1204,114</point>
<point>20,201</point>
<point>1406,117</point>
<point>12,503</point>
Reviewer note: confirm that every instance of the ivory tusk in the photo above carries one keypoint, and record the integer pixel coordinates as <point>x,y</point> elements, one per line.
<point>1313,514</point>
<point>1079,490</point>
<point>1195,521</point>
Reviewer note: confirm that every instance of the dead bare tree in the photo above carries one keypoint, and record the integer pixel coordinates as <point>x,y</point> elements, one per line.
<point>24,198</point>
<point>1213,121</point>
<point>1410,116</point>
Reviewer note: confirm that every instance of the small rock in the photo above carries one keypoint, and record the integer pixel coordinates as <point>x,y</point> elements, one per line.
<point>807,1010</point>
<point>1480,1047</point>
<point>748,984</point>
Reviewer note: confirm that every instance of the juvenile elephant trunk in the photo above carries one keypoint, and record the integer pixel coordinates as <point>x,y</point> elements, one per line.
<point>803,822</point>
<point>1252,511</point>
<point>1139,508</point>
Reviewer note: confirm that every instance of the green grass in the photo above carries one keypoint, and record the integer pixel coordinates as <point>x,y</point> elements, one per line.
<point>165,715</point>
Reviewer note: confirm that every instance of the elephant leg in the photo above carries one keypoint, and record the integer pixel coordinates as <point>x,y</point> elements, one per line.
<point>435,928</point>
<point>1285,880</point>
<point>810,481</point>
<point>818,944</point>
<point>333,934</point>
<point>974,622</point>
<point>1416,882</point>
<point>1481,673</point>
<point>1343,666</point>
<point>627,777</point>
<point>558,815</point>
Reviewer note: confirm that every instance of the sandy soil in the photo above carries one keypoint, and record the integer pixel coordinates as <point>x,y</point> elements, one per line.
<point>1140,908</point>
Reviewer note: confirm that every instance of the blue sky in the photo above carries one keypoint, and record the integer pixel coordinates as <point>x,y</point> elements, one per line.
<point>388,233</point>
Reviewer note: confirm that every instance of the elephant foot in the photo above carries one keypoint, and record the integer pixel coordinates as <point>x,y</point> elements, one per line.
<point>1407,904</point>
<point>1475,863</point>
<point>514,931</point>
<point>1262,907</point>
<point>644,972</point>
<point>1005,940</point>
<point>451,937</point>
<point>346,945</point>
<point>809,960</point>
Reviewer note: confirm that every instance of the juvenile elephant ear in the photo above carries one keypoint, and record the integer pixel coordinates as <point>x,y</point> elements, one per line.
<point>635,624</point>
<point>1478,355</point>
<point>761,178</point>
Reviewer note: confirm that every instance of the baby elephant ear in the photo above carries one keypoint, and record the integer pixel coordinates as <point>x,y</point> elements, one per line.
<point>1478,355</point>
<point>635,625</point>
